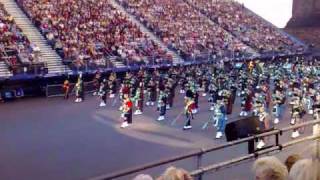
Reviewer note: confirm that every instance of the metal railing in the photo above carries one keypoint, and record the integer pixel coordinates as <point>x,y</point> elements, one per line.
<point>200,170</point>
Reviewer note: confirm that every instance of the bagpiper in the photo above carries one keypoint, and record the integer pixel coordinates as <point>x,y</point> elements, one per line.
<point>126,112</point>
<point>316,107</point>
<point>79,90</point>
<point>220,117</point>
<point>189,106</point>
<point>103,91</point>
<point>151,93</point>
<point>138,99</point>
<point>278,102</point>
<point>170,90</point>
<point>96,83</point>
<point>264,124</point>
<point>246,100</point>
<point>66,89</point>
<point>213,95</point>
<point>162,102</point>
<point>310,98</point>
<point>205,86</point>
<point>112,85</point>
<point>124,90</point>
<point>296,111</point>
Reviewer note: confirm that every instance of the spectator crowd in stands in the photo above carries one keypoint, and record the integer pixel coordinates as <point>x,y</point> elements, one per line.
<point>15,48</point>
<point>184,28</point>
<point>246,26</point>
<point>89,31</point>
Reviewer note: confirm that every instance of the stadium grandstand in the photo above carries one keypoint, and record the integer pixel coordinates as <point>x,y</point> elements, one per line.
<point>100,89</point>
<point>74,36</point>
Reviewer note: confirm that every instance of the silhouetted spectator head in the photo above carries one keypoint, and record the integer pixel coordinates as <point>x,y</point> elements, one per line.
<point>291,160</point>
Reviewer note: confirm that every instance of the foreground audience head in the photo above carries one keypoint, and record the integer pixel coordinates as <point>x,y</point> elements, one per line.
<point>291,160</point>
<point>173,173</point>
<point>269,168</point>
<point>306,169</point>
<point>143,177</point>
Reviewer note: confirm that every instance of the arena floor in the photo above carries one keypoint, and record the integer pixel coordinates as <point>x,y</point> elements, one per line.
<point>56,139</point>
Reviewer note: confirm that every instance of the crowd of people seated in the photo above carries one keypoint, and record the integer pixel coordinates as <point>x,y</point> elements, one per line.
<point>15,48</point>
<point>181,27</point>
<point>89,31</point>
<point>245,25</point>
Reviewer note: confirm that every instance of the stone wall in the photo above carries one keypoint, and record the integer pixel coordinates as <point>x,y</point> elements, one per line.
<point>305,13</point>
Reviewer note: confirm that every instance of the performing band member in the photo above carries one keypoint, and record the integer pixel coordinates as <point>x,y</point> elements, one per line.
<point>257,103</point>
<point>220,117</point>
<point>126,111</point>
<point>170,94</point>
<point>205,87</point>
<point>103,91</point>
<point>278,102</point>
<point>213,95</point>
<point>296,111</point>
<point>79,90</point>
<point>189,106</point>
<point>310,98</point>
<point>112,85</point>
<point>162,101</point>
<point>151,93</point>
<point>138,99</point>
<point>125,90</point>
<point>96,83</point>
<point>66,89</point>
<point>246,100</point>
<point>196,101</point>
<point>316,107</point>
<point>264,124</point>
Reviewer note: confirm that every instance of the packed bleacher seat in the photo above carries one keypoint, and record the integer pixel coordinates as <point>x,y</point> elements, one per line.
<point>92,31</point>
<point>183,28</point>
<point>245,25</point>
<point>15,48</point>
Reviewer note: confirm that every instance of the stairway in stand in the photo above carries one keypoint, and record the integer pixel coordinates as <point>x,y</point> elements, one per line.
<point>176,58</point>
<point>48,55</point>
<point>117,64</point>
<point>4,71</point>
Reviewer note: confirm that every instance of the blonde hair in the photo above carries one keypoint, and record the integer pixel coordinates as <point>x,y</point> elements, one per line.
<point>143,177</point>
<point>306,169</point>
<point>270,168</point>
<point>173,173</point>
